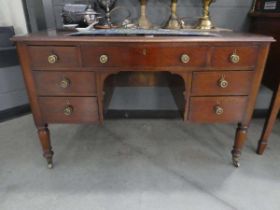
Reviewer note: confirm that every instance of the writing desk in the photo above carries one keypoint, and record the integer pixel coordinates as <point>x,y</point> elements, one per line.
<point>65,75</point>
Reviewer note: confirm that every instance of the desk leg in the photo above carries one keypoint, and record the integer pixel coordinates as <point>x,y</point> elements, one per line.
<point>44,136</point>
<point>240,138</point>
<point>273,111</point>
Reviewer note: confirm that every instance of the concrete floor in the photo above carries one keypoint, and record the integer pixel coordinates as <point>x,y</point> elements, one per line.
<point>137,165</point>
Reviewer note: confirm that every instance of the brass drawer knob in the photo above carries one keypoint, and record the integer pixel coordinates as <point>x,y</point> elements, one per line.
<point>64,83</point>
<point>223,83</point>
<point>68,110</point>
<point>234,58</point>
<point>52,59</point>
<point>104,59</point>
<point>185,58</point>
<point>218,110</point>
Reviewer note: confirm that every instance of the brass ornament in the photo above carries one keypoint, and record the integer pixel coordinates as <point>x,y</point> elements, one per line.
<point>234,58</point>
<point>205,21</point>
<point>174,22</point>
<point>52,59</point>
<point>68,110</point>
<point>223,83</point>
<point>104,59</point>
<point>143,21</point>
<point>185,58</point>
<point>218,110</point>
<point>64,83</point>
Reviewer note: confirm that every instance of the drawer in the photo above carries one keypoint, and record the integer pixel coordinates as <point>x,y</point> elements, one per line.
<point>222,83</point>
<point>144,56</point>
<point>65,83</point>
<point>69,109</point>
<point>52,57</point>
<point>234,57</point>
<point>217,109</point>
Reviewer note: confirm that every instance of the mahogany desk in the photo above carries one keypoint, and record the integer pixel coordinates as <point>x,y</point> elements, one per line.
<point>65,75</point>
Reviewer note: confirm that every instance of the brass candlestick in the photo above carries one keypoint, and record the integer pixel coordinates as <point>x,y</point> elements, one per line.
<point>205,22</point>
<point>143,21</point>
<point>174,22</point>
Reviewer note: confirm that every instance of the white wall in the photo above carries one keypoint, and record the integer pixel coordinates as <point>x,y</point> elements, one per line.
<point>12,14</point>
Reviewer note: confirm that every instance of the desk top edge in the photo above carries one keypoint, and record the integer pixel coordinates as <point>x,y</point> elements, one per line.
<point>53,35</point>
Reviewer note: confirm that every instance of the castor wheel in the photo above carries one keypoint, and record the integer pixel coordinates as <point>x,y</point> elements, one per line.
<point>235,158</point>
<point>50,164</point>
<point>235,162</point>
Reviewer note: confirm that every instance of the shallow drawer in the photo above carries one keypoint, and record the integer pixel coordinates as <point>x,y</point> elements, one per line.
<point>143,56</point>
<point>52,57</point>
<point>234,57</point>
<point>217,109</point>
<point>222,83</point>
<point>69,109</point>
<point>65,83</point>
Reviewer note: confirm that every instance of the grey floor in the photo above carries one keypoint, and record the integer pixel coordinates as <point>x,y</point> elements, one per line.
<point>137,165</point>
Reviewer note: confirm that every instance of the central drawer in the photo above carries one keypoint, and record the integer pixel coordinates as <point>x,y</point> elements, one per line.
<point>69,109</point>
<point>143,56</point>
<point>65,83</point>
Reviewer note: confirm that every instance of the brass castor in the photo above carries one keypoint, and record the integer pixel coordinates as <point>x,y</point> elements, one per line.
<point>235,158</point>
<point>235,162</point>
<point>50,164</point>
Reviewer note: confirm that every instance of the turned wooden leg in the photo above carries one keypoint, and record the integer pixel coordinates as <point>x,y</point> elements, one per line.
<point>272,115</point>
<point>44,136</point>
<point>240,138</point>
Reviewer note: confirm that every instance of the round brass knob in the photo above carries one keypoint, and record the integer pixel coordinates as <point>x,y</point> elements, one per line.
<point>64,83</point>
<point>68,110</point>
<point>104,59</point>
<point>234,58</point>
<point>218,110</point>
<point>223,83</point>
<point>185,58</point>
<point>52,59</point>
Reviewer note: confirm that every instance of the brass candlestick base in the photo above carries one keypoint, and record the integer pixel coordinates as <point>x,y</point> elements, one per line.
<point>174,22</point>
<point>143,21</point>
<point>205,22</point>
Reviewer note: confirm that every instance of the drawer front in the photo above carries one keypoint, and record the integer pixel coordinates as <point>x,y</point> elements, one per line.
<point>48,57</point>
<point>65,83</point>
<point>217,109</point>
<point>234,57</point>
<point>222,83</point>
<point>69,109</point>
<point>144,56</point>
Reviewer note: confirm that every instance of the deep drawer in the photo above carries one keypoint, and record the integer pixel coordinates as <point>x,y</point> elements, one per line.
<point>222,83</point>
<point>53,57</point>
<point>69,109</point>
<point>65,83</point>
<point>217,109</point>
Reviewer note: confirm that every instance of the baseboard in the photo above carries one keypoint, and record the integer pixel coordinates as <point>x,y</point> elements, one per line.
<point>260,113</point>
<point>14,112</point>
<point>8,57</point>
